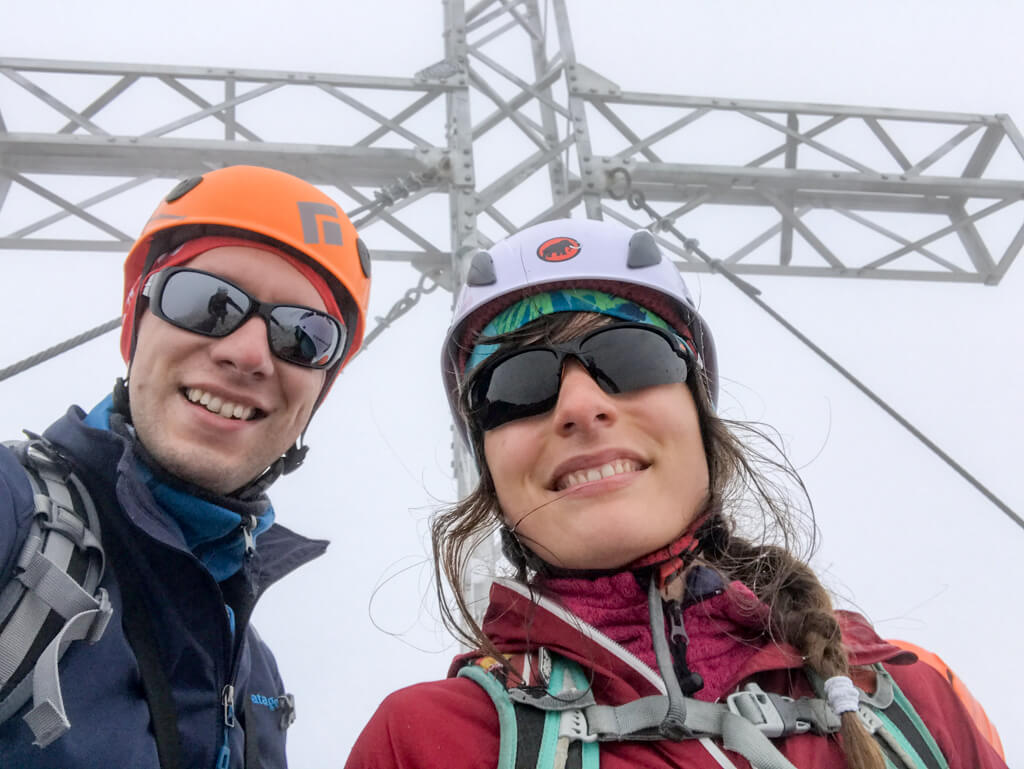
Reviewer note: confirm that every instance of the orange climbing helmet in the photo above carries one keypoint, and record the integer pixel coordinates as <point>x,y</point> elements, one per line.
<point>263,205</point>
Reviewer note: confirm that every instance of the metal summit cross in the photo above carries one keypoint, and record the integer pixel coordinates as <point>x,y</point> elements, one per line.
<point>511,129</point>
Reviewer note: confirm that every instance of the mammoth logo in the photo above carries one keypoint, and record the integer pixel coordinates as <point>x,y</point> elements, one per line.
<point>558,249</point>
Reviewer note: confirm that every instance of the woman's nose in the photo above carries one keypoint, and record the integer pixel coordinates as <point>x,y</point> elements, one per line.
<point>582,405</point>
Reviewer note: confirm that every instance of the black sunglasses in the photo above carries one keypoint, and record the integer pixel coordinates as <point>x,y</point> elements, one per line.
<point>524,382</point>
<point>212,306</point>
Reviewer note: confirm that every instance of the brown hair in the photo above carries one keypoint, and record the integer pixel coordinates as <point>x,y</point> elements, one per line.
<point>749,489</point>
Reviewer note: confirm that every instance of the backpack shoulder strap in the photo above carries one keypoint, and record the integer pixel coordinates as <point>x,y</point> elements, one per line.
<point>552,737</point>
<point>897,727</point>
<point>54,597</point>
<point>480,674</point>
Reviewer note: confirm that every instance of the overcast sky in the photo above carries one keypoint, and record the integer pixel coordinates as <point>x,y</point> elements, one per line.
<point>904,540</point>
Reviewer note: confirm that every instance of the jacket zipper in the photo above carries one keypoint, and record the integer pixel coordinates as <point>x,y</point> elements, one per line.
<point>690,681</point>
<point>227,694</point>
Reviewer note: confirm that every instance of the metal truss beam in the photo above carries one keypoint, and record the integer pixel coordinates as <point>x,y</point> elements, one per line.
<point>170,158</point>
<point>512,129</point>
<point>556,117</point>
<point>208,118</point>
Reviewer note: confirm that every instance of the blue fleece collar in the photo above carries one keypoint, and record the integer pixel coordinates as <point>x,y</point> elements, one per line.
<point>212,532</point>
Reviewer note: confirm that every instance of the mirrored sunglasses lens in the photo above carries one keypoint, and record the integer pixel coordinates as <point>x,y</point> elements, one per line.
<point>203,303</point>
<point>517,387</point>
<point>304,336</point>
<point>628,359</point>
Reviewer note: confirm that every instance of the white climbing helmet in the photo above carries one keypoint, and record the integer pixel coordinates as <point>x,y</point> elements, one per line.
<point>571,253</point>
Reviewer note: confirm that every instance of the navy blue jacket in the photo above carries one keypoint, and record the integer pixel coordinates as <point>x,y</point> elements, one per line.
<point>110,721</point>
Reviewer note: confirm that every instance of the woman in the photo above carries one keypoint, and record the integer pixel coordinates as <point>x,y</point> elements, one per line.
<point>640,627</point>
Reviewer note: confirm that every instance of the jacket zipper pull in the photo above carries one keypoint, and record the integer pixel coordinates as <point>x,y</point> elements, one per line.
<point>677,631</point>
<point>227,698</point>
<point>248,527</point>
<point>689,681</point>
<point>224,757</point>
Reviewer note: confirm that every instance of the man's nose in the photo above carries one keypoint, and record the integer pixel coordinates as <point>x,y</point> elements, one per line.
<point>245,349</point>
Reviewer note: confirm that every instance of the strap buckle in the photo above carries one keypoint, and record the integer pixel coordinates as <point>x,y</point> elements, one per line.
<point>573,725</point>
<point>762,710</point>
<point>104,611</point>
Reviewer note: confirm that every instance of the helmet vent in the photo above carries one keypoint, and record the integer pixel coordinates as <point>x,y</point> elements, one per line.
<point>364,257</point>
<point>643,250</point>
<point>481,270</point>
<point>182,188</point>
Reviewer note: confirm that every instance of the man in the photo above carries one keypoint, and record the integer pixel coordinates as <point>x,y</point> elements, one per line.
<point>245,295</point>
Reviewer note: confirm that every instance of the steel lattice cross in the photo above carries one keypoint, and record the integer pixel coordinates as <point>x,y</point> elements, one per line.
<point>511,129</point>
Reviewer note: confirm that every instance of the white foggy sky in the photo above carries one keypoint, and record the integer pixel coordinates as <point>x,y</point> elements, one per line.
<point>903,539</point>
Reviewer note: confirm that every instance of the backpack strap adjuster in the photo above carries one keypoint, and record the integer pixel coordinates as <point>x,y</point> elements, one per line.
<point>756,706</point>
<point>104,611</point>
<point>57,517</point>
<point>777,716</point>
<point>573,726</point>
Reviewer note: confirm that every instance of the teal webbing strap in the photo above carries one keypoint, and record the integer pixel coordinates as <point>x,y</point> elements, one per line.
<point>548,755</point>
<point>903,703</point>
<point>896,725</point>
<point>591,750</point>
<point>549,742</point>
<point>553,741</point>
<point>893,738</point>
<point>506,713</point>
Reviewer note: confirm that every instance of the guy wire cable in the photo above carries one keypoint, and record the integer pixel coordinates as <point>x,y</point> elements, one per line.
<point>57,349</point>
<point>637,201</point>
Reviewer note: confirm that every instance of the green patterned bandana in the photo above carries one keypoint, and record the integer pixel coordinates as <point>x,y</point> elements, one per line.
<point>568,300</point>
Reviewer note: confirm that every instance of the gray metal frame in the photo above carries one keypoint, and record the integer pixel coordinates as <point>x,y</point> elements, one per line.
<point>556,120</point>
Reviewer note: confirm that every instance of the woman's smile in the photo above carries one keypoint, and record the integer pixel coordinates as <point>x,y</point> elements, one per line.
<point>601,479</point>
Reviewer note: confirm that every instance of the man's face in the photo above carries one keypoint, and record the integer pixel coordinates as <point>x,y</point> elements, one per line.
<point>256,404</point>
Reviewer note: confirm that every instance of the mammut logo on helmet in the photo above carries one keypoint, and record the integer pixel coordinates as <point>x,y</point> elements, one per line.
<point>317,219</point>
<point>558,249</point>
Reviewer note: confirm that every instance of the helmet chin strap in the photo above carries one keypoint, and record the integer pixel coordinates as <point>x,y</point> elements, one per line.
<point>295,456</point>
<point>121,405</point>
<point>289,463</point>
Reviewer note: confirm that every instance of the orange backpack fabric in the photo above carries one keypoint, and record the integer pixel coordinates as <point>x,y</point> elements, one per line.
<point>986,727</point>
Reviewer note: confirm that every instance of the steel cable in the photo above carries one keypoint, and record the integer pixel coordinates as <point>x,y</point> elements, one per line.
<point>637,201</point>
<point>57,349</point>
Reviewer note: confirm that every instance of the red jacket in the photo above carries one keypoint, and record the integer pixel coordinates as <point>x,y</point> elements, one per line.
<point>453,723</point>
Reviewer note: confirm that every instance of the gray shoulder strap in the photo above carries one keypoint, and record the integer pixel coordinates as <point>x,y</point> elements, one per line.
<point>63,540</point>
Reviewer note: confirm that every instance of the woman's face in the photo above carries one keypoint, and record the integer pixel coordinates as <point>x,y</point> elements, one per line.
<point>601,480</point>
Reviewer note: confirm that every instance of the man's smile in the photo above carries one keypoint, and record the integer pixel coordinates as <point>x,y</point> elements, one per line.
<point>217,405</point>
